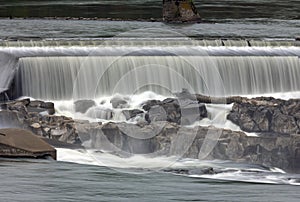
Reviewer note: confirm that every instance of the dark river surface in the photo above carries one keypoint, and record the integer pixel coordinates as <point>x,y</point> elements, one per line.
<point>144,9</point>
<point>28,180</point>
<point>222,18</point>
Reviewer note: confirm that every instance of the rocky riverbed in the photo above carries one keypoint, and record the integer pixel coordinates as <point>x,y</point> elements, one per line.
<point>164,128</point>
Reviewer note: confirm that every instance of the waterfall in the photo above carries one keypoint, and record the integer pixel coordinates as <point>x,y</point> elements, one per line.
<point>62,78</point>
<point>8,66</point>
<point>146,42</point>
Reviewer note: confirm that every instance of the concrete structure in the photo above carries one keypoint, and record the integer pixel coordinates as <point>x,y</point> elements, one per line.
<point>180,11</point>
<point>19,143</point>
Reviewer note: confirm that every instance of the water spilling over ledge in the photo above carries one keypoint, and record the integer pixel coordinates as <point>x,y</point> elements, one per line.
<point>93,77</point>
<point>87,75</point>
<point>104,67</point>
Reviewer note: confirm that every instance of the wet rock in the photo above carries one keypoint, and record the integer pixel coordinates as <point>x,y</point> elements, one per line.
<point>34,116</point>
<point>41,107</point>
<point>165,138</point>
<point>124,138</point>
<point>126,142</point>
<point>24,102</point>
<point>182,111</point>
<point>284,124</point>
<point>118,102</point>
<point>191,111</point>
<point>49,106</point>
<point>263,118</point>
<point>100,113</point>
<point>275,120</point>
<point>267,115</point>
<point>35,125</point>
<point>180,11</point>
<point>18,107</point>
<point>241,115</point>
<point>150,103</point>
<point>208,171</point>
<point>179,171</point>
<point>156,113</point>
<point>129,114</point>
<point>19,143</point>
<point>58,132</point>
<point>35,103</point>
<point>83,105</point>
<point>12,119</point>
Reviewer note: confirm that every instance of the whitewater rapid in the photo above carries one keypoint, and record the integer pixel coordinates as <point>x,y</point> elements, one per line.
<point>139,164</point>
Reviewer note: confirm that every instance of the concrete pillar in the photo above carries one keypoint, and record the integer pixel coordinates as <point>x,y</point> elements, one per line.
<point>180,11</point>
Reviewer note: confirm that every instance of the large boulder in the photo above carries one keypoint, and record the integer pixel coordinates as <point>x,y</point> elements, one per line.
<point>11,119</point>
<point>129,114</point>
<point>180,111</point>
<point>170,139</point>
<point>83,105</point>
<point>267,115</point>
<point>118,102</point>
<point>16,143</point>
<point>180,11</point>
<point>36,117</point>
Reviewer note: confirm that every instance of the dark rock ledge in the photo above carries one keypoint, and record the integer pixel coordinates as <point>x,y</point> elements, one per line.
<point>162,132</point>
<point>18,143</point>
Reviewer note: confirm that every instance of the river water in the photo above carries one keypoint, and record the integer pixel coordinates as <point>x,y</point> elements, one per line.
<point>30,180</point>
<point>222,18</point>
<point>82,175</point>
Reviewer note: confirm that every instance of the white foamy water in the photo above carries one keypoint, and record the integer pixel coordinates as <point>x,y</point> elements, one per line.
<point>225,171</point>
<point>103,104</point>
<point>217,113</point>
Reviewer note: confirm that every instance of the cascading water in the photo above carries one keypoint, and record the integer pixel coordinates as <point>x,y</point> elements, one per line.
<point>64,78</point>
<point>68,73</point>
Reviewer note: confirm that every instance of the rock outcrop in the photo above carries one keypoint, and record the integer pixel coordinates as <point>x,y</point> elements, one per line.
<point>39,118</point>
<point>267,115</point>
<point>19,143</point>
<point>164,130</point>
<point>83,105</point>
<point>180,11</point>
<point>165,138</point>
<point>180,111</point>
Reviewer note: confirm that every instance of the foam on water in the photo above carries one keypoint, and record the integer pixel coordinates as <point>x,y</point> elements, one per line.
<point>226,171</point>
<point>67,107</point>
<point>217,113</point>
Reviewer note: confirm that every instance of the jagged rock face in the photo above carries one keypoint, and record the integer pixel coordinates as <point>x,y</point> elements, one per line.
<point>131,113</point>
<point>83,105</point>
<point>165,138</point>
<point>180,111</point>
<point>17,143</point>
<point>37,116</point>
<point>275,116</point>
<point>276,120</point>
<point>180,11</point>
<point>121,137</point>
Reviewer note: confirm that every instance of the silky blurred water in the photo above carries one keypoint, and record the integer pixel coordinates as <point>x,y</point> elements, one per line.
<point>29,180</point>
<point>43,180</point>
